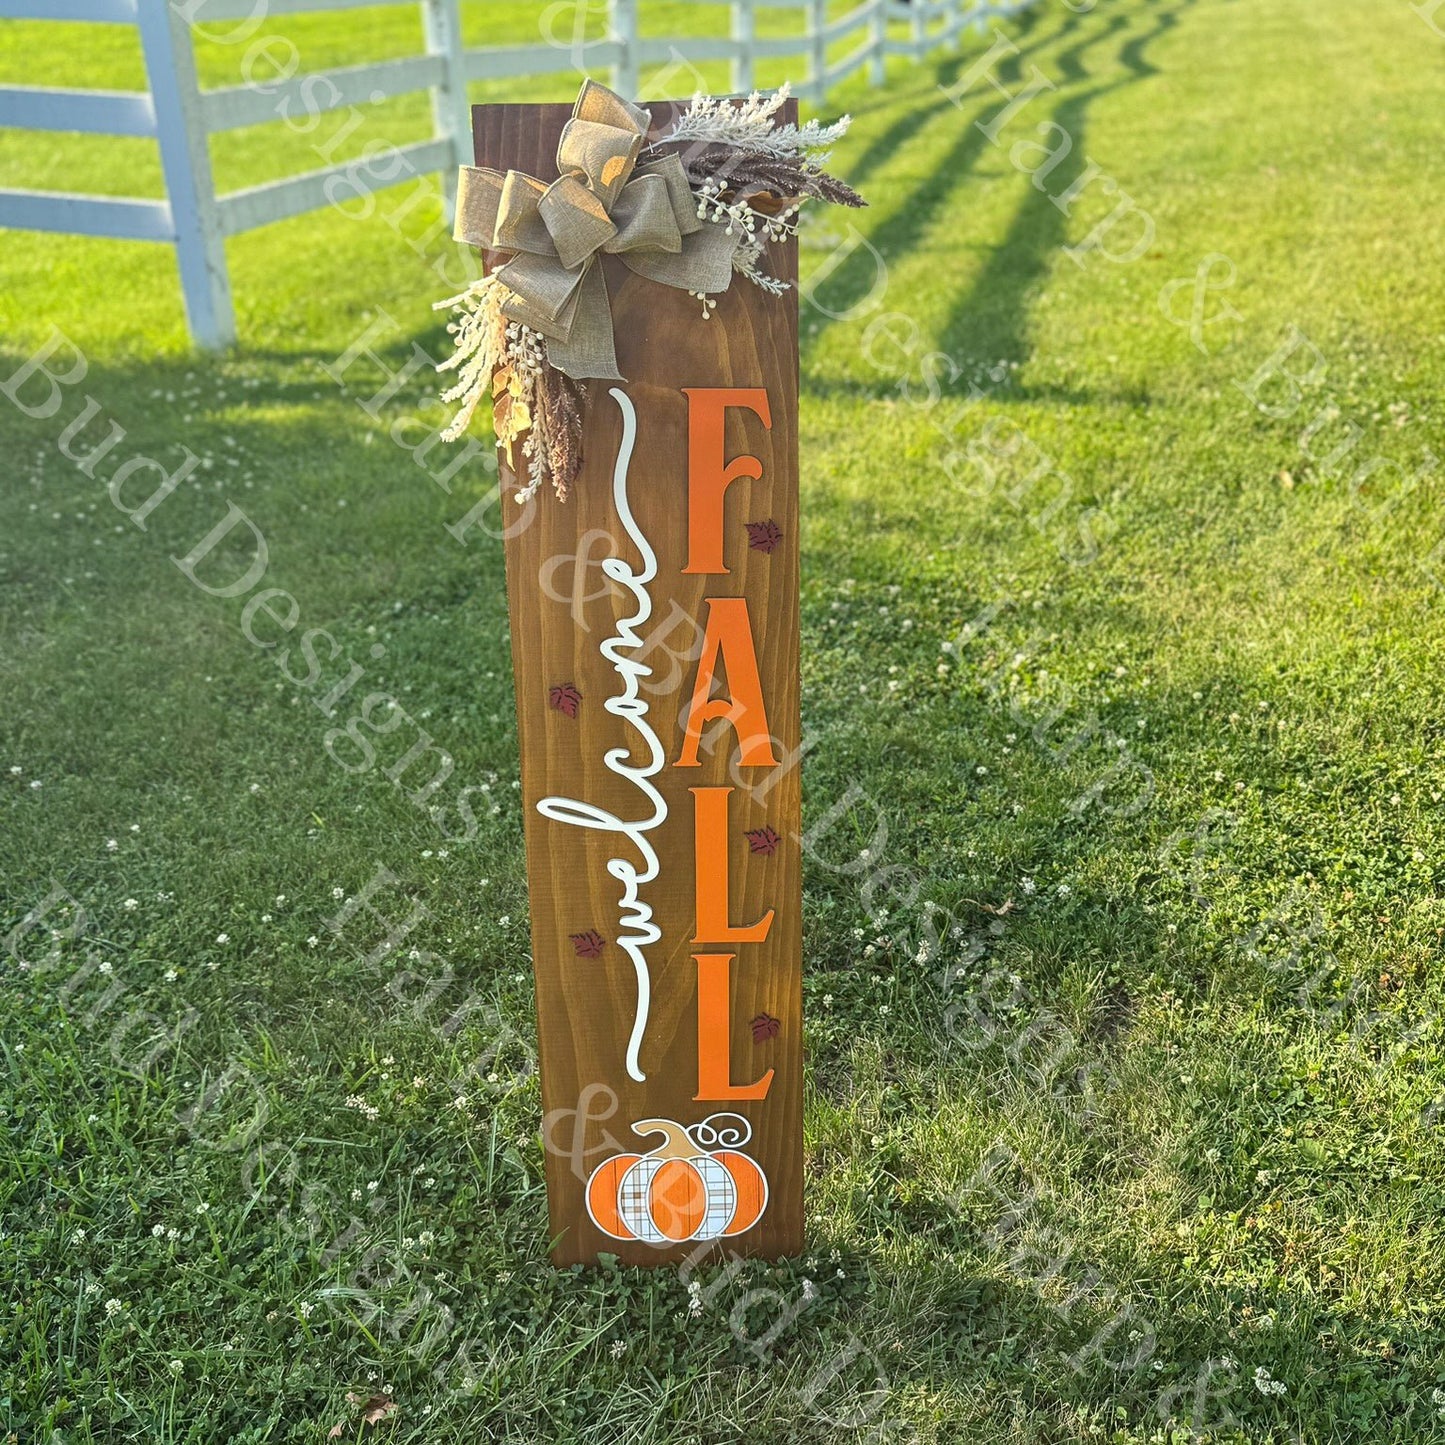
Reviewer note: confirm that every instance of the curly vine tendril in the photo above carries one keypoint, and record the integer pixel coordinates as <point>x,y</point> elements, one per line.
<point>721,1131</point>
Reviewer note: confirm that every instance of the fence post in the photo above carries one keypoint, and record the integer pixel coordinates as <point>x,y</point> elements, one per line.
<point>744,28</point>
<point>441,22</point>
<point>920,29</point>
<point>878,37</point>
<point>622,27</point>
<point>817,50</point>
<point>186,163</point>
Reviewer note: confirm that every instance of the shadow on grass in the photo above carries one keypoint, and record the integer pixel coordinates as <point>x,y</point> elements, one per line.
<point>991,317</point>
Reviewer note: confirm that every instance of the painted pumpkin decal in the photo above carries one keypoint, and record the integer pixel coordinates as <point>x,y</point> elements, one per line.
<point>694,1185</point>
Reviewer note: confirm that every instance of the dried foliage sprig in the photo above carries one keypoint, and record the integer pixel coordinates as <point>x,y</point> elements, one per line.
<point>536,411</point>
<point>747,173</point>
<point>560,401</point>
<point>750,126</point>
<point>479,342</point>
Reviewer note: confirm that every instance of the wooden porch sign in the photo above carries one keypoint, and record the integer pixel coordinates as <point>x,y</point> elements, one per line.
<point>654,620</point>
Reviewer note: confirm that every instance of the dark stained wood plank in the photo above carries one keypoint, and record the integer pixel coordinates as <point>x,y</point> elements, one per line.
<point>562,609</point>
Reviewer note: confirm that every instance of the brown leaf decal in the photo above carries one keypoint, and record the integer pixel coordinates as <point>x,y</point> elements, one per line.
<point>763,840</point>
<point>564,698</point>
<point>589,944</point>
<point>765,1027</point>
<point>763,536</point>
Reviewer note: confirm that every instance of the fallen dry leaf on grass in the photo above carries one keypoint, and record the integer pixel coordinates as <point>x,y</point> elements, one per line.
<point>373,1412</point>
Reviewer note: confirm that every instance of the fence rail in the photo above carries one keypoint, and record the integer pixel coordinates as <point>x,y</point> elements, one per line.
<point>182,117</point>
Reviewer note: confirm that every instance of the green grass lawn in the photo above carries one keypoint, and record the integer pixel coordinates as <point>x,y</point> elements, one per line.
<point>1124,1040</point>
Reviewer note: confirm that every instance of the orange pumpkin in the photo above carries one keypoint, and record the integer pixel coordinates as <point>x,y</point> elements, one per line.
<point>678,1191</point>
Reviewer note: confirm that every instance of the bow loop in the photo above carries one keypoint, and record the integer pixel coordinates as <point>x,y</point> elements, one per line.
<point>602,201</point>
<point>643,218</point>
<point>601,156</point>
<point>520,225</point>
<point>576,220</point>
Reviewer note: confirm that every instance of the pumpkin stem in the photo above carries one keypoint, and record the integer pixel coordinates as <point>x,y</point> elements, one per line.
<point>677,1144</point>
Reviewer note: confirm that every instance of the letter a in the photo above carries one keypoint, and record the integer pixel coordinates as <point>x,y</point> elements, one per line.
<point>729,632</point>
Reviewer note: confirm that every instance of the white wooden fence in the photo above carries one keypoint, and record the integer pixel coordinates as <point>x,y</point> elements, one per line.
<point>181,117</point>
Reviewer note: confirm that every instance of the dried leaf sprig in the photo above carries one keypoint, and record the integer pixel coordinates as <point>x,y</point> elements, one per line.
<point>479,343</point>
<point>751,127</point>
<point>751,174</point>
<point>560,401</point>
<point>514,404</point>
<point>747,173</point>
<point>536,411</point>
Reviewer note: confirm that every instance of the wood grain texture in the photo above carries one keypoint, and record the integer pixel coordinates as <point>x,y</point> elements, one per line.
<point>562,609</point>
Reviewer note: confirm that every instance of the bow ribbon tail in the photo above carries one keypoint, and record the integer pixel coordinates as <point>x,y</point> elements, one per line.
<point>704,264</point>
<point>587,350</point>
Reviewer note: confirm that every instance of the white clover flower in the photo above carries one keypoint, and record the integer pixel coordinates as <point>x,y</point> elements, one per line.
<point>112,1308</point>
<point>176,1367</point>
<point>1028,885</point>
<point>338,893</point>
<point>223,938</point>
<point>131,904</point>
<point>1266,1385</point>
<point>171,975</point>
<point>111,844</point>
<point>107,967</point>
<point>306,1309</point>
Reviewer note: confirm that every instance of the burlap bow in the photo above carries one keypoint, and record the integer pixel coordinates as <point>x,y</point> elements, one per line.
<point>603,201</point>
